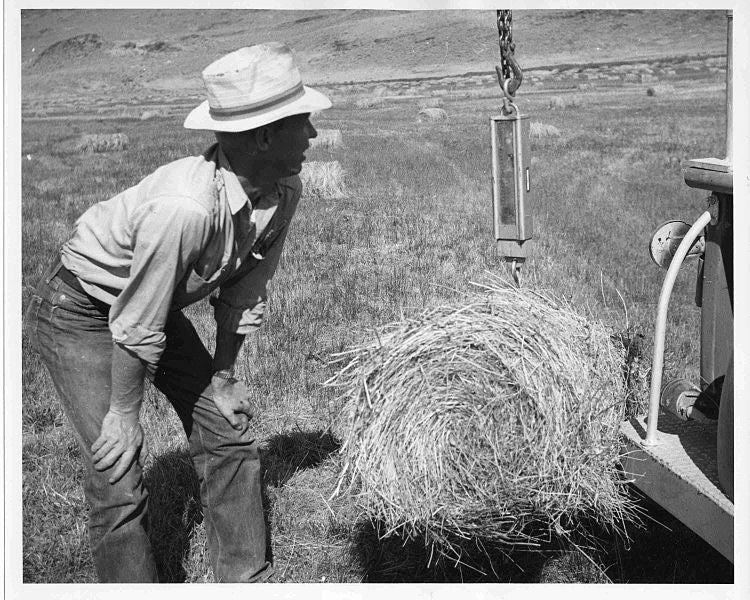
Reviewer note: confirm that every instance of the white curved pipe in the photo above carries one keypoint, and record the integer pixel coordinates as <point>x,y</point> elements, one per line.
<point>657,364</point>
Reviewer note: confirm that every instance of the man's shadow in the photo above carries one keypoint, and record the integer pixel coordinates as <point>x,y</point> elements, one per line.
<point>174,511</point>
<point>285,454</point>
<point>174,498</point>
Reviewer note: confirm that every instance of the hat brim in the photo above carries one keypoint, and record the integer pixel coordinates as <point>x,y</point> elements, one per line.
<point>311,101</point>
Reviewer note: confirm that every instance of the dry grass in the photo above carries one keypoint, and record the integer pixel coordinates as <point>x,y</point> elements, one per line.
<point>323,179</point>
<point>494,420</point>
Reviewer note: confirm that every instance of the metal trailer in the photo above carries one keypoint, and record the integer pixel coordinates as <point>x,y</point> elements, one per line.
<point>679,454</point>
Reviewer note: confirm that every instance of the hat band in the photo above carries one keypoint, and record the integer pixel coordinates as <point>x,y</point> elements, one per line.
<point>253,108</point>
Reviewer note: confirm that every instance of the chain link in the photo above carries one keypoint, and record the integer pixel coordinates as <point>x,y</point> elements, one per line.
<point>509,73</point>
<point>507,47</point>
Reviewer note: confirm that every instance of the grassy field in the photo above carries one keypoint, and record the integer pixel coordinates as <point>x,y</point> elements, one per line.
<point>414,231</point>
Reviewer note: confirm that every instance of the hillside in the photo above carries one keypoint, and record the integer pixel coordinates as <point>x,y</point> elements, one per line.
<point>137,53</point>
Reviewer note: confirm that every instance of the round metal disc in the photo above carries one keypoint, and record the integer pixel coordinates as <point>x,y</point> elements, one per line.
<point>665,240</point>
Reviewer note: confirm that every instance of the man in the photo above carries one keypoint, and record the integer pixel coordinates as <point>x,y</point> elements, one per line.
<point>107,314</point>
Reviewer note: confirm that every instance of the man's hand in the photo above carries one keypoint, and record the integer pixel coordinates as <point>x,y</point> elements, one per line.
<point>120,443</point>
<point>232,398</point>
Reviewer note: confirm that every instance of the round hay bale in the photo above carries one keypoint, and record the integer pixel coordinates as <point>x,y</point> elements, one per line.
<point>103,142</point>
<point>327,138</point>
<point>561,102</point>
<point>494,421</point>
<point>432,114</point>
<point>434,102</point>
<point>542,130</point>
<point>660,90</point>
<point>369,102</point>
<point>323,179</point>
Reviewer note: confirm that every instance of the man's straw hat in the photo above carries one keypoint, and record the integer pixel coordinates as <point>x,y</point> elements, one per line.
<point>251,87</point>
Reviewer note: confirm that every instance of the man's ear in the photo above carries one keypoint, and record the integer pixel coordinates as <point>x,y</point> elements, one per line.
<point>263,138</point>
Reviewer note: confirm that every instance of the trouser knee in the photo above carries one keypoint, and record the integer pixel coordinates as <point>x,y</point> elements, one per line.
<point>218,455</point>
<point>117,505</point>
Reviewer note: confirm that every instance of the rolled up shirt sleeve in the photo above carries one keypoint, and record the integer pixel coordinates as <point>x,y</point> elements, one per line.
<point>168,235</point>
<point>241,304</point>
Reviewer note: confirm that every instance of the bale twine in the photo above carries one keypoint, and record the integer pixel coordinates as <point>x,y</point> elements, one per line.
<point>323,179</point>
<point>432,114</point>
<point>493,421</point>
<point>327,138</point>
<point>101,142</point>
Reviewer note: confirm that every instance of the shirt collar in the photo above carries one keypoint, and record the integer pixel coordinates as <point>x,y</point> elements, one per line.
<point>236,196</point>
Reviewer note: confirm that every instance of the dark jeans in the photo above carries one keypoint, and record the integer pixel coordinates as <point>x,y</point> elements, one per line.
<point>70,331</point>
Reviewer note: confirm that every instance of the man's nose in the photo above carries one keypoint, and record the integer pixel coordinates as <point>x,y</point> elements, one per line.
<point>311,131</point>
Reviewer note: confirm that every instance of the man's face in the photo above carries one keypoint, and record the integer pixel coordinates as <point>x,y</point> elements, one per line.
<point>289,142</point>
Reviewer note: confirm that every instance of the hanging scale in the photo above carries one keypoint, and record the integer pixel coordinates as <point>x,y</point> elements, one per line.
<point>511,158</point>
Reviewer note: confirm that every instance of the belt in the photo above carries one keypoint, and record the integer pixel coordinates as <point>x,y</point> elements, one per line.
<point>73,282</point>
<point>70,279</point>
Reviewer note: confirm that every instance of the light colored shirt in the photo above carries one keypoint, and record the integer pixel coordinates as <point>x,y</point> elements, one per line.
<point>174,238</point>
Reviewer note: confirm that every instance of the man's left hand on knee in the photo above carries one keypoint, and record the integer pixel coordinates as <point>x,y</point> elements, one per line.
<point>232,398</point>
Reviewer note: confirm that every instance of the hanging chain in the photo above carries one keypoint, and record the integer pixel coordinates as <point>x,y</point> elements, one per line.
<point>505,30</point>
<point>509,74</point>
